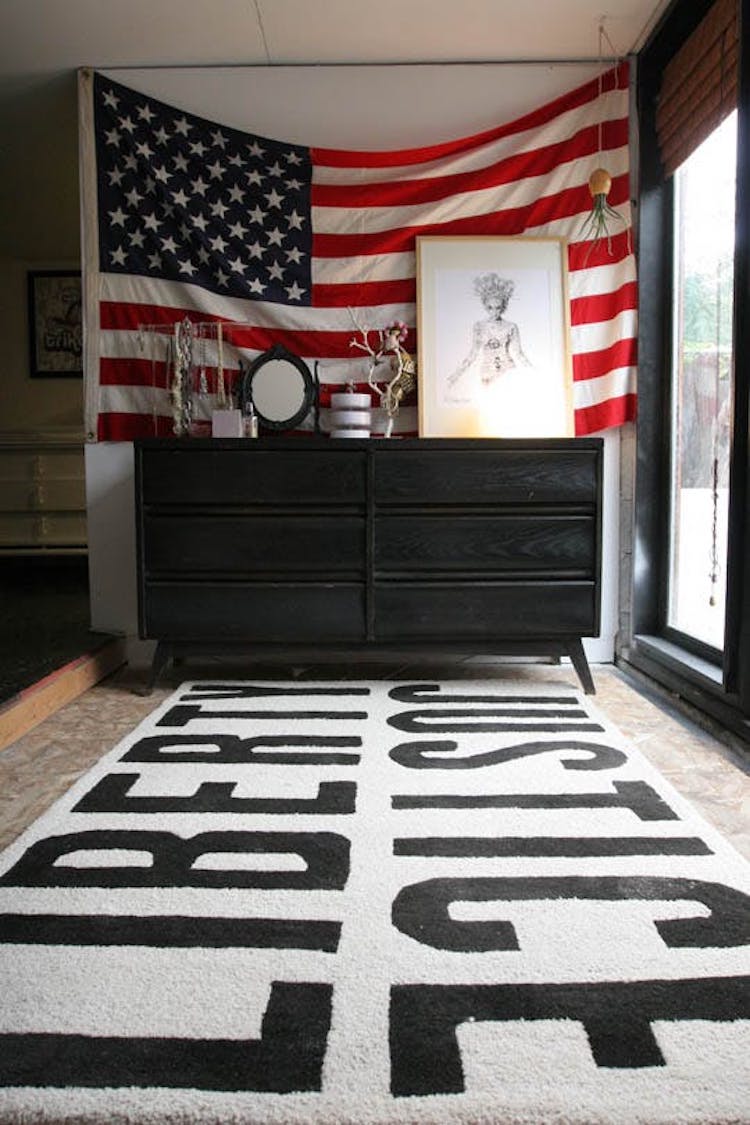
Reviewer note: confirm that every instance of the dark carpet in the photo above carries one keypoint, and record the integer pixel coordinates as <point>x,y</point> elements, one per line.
<point>45,618</point>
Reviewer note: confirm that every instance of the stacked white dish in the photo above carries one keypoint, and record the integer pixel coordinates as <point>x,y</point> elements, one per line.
<point>350,415</point>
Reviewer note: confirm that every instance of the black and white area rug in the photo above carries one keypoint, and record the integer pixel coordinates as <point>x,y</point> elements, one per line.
<point>374,902</point>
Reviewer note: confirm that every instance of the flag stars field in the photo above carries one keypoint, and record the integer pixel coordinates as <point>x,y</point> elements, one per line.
<point>176,184</point>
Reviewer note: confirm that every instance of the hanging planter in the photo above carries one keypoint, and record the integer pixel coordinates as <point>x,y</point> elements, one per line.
<point>596,224</point>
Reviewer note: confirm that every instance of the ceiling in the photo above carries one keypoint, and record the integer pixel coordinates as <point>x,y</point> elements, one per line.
<point>42,38</point>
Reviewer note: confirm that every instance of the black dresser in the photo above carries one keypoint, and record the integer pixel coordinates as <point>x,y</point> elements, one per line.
<point>420,546</point>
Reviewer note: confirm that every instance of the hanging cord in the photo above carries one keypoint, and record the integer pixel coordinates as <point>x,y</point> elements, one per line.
<point>604,38</point>
<point>714,575</point>
<point>596,225</point>
<point>600,123</point>
<point>714,571</point>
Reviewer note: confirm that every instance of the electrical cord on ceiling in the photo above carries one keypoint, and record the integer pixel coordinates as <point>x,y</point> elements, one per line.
<point>262,29</point>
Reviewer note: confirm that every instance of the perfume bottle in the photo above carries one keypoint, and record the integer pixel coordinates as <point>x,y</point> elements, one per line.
<point>250,420</point>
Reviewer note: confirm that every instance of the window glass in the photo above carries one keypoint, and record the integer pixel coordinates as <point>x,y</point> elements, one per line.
<point>702,386</point>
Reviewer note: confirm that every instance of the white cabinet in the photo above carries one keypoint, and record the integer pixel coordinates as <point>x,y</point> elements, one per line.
<point>42,492</point>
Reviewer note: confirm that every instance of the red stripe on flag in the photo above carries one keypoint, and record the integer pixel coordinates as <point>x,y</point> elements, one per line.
<point>617,78</point>
<point>607,251</point>
<point>612,412</point>
<point>130,315</point>
<point>132,372</point>
<point>591,365</point>
<point>603,306</point>
<point>366,294</point>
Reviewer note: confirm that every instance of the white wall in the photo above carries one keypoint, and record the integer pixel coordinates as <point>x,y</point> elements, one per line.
<point>365,107</point>
<point>110,507</point>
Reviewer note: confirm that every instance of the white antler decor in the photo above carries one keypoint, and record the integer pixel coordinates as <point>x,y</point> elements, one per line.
<point>403,369</point>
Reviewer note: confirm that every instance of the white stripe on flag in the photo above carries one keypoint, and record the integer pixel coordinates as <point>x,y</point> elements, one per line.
<point>593,392</point>
<point>366,267</point>
<point>595,281</point>
<point>602,334</point>
<point>134,400</point>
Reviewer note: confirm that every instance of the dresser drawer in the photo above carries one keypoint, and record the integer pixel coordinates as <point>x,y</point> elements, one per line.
<point>42,530</point>
<point>486,544</point>
<point>467,611</point>
<point>278,612</point>
<point>231,544</point>
<point>252,476</point>
<point>487,476</point>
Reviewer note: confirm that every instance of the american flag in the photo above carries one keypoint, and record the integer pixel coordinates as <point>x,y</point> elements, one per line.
<point>285,244</point>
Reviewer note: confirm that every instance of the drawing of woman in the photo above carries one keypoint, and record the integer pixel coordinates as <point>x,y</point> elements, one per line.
<point>496,342</point>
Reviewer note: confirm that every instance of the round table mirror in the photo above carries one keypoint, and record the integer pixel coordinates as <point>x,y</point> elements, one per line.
<point>280,387</point>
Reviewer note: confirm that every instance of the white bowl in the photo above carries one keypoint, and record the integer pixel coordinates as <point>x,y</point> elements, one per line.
<point>350,433</point>
<point>350,401</point>
<point>357,418</point>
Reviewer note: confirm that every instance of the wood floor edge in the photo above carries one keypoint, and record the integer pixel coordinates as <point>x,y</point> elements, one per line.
<point>21,715</point>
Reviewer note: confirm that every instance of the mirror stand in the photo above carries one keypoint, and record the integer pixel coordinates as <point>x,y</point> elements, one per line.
<point>281,389</point>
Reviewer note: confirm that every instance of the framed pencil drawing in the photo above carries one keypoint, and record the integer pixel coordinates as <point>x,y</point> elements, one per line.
<point>55,324</point>
<point>494,337</point>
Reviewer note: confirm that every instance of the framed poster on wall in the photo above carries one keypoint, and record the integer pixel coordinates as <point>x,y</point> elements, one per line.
<point>493,328</point>
<point>55,324</point>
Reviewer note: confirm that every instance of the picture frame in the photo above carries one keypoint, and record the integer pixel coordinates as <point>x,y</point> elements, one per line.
<point>482,373</point>
<point>55,324</point>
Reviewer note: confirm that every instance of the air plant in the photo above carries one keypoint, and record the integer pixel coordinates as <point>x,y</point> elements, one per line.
<point>596,224</point>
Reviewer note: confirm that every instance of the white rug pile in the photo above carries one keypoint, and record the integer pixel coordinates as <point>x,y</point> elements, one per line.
<point>374,902</point>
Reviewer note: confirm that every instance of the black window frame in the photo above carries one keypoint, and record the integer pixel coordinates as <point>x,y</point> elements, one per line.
<point>718,684</point>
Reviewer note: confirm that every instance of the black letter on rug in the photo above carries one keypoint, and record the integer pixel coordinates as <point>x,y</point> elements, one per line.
<point>422,755</point>
<point>182,714</point>
<point>426,722</point>
<point>636,796</point>
<point>617,1017</point>
<point>422,910</point>
<point>287,1058</point>
<point>471,847</point>
<point>229,749</point>
<point>431,693</point>
<point>170,931</point>
<point>111,795</point>
<point>254,691</point>
<point>325,853</point>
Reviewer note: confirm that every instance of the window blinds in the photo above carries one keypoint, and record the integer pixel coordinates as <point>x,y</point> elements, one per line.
<point>699,87</point>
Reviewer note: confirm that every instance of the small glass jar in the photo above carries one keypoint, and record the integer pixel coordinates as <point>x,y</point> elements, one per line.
<point>250,421</point>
